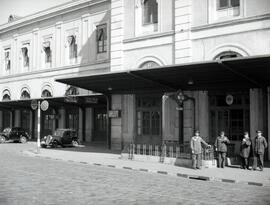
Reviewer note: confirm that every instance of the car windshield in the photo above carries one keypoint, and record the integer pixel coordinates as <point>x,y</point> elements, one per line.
<point>7,130</point>
<point>59,132</point>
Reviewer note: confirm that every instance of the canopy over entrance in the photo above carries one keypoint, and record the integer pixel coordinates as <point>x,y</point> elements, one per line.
<point>228,74</point>
<point>95,100</point>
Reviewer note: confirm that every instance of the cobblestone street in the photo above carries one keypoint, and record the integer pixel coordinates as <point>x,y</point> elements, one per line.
<point>32,180</point>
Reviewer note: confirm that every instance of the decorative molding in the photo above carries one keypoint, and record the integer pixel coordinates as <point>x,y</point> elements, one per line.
<point>147,37</point>
<point>231,22</point>
<point>49,13</point>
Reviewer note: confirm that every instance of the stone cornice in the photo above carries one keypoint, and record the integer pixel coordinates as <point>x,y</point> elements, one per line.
<point>49,70</point>
<point>231,22</point>
<point>49,13</point>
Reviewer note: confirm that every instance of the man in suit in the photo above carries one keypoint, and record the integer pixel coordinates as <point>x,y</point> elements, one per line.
<point>245,150</point>
<point>259,145</point>
<point>221,148</point>
<point>196,150</point>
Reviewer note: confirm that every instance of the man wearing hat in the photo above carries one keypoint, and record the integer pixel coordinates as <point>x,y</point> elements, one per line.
<point>221,148</point>
<point>196,150</point>
<point>245,150</point>
<point>259,146</point>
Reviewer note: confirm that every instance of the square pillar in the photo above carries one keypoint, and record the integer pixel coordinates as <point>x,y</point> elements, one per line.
<point>89,124</point>
<point>62,120</point>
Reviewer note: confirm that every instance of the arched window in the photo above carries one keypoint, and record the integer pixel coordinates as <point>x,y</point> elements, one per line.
<point>25,94</point>
<point>6,95</point>
<point>149,64</point>
<point>227,54</point>
<point>46,93</point>
<point>150,11</point>
<point>71,91</point>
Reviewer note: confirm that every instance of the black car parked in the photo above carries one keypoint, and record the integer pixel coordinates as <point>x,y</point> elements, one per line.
<point>15,134</point>
<point>62,137</point>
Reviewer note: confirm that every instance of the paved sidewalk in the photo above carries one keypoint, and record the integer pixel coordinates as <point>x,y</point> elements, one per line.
<point>108,158</point>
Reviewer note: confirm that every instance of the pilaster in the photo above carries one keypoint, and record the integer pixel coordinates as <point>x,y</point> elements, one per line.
<point>117,34</point>
<point>182,31</point>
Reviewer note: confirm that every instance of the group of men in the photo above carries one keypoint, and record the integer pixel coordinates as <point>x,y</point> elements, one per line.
<point>248,149</point>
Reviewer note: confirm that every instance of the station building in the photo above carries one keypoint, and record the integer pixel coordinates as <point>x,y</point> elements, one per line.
<point>143,56</point>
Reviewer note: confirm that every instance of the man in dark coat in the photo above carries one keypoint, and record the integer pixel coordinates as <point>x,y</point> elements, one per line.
<point>245,151</point>
<point>259,146</point>
<point>221,148</point>
<point>196,150</point>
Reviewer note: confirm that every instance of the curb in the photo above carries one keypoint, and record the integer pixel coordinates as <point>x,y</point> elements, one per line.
<point>186,176</point>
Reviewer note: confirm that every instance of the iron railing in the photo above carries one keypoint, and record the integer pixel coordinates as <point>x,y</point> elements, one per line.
<point>167,150</point>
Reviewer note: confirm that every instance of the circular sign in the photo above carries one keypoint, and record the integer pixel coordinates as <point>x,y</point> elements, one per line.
<point>34,104</point>
<point>229,99</point>
<point>44,105</point>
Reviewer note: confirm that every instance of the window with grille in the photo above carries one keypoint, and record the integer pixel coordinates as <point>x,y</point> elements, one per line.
<point>150,11</point>
<point>102,38</point>
<point>224,4</point>
<point>148,116</point>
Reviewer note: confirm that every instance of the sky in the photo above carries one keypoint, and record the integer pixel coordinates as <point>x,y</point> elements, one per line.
<point>24,7</point>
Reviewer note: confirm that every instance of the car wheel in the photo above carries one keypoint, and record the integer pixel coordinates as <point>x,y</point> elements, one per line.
<point>2,139</point>
<point>54,144</point>
<point>43,145</point>
<point>23,139</point>
<point>75,143</point>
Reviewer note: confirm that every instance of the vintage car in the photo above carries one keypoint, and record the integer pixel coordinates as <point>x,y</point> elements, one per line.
<point>61,137</point>
<point>15,134</point>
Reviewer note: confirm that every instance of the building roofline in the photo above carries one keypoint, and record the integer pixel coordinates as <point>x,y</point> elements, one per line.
<point>48,13</point>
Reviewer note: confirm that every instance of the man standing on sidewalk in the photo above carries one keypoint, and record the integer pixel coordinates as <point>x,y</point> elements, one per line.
<point>196,150</point>
<point>245,151</point>
<point>260,145</point>
<point>221,148</point>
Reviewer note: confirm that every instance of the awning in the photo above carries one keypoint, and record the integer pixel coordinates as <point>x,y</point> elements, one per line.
<point>95,100</point>
<point>228,74</point>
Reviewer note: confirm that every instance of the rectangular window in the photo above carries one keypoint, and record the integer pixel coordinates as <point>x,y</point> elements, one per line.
<point>7,59</point>
<point>102,38</point>
<point>25,54</point>
<point>224,4</point>
<point>47,51</point>
<point>73,47</point>
<point>150,11</point>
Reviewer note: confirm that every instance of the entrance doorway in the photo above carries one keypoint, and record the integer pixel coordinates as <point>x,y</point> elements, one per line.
<point>148,120</point>
<point>100,125</point>
<point>232,117</point>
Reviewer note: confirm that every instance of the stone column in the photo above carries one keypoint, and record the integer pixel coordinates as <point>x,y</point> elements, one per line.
<point>116,123</point>
<point>129,117</point>
<point>202,114</point>
<point>80,134</point>
<point>62,120</point>
<point>17,118</point>
<point>1,120</point>
<point>268,115</point>
<point>89,124</point>
<point>256,109</point>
